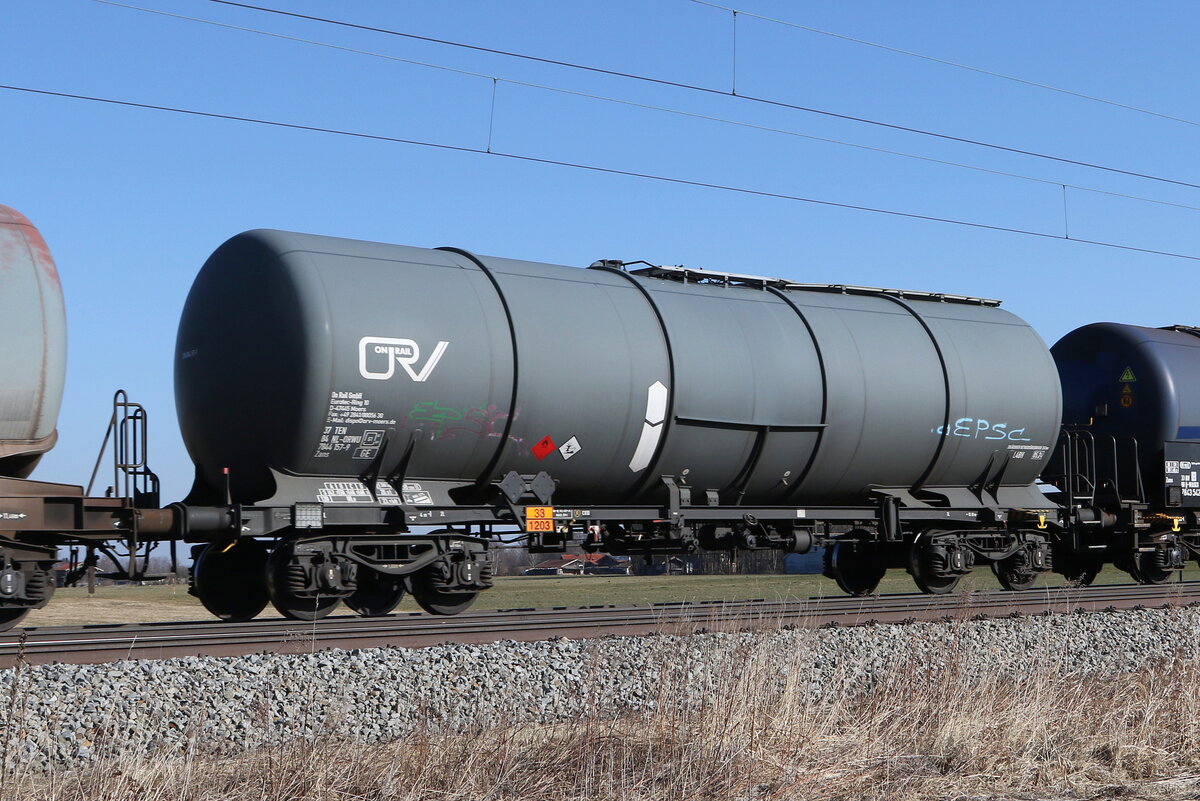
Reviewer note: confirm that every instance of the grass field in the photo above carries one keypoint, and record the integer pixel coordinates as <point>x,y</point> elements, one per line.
<point>74,606</point>
<point>756,732</point>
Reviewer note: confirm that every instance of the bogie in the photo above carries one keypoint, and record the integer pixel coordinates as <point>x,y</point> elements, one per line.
<point>304,584</point>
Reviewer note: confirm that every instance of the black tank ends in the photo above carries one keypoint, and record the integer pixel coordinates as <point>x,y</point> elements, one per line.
<point>1126,383</point>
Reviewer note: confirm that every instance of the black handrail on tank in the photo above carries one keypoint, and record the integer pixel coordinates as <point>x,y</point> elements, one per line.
<point>1134,463</point>
<point>1079,457</point>
<point>1116,467</point>
<point>132,477</point>
<point>1109,474</point>
<point>1081,472</point>
<point>1064,459</point>
<point>128,428</point>
<point>691,275</point>
<point>1183,329</point>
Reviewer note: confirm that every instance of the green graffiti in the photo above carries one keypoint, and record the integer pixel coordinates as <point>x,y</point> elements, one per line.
<point>434,412</point>
<point>470,420</point>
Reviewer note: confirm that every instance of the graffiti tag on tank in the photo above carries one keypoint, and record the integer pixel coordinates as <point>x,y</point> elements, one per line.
<point>448,421</point>
<point>979,428</point>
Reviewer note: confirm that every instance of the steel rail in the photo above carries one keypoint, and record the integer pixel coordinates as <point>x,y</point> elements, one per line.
<point>112,642</point>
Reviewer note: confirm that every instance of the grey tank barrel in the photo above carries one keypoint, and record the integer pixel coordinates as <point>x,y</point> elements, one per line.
<point>303,355</point>
<point>33,360</point>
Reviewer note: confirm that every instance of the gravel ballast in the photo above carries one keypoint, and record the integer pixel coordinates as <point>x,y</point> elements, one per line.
<point>61,714</point>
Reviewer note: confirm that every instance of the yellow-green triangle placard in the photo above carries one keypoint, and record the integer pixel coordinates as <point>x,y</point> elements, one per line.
<point>1127,376</point>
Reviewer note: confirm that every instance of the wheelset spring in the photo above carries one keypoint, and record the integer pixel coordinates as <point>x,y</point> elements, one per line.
<point>37,585</point>
<point>297,578</point>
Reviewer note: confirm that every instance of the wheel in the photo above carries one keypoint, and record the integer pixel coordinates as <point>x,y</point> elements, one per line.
<point>856,566</point>
<point>1014,572</point>
<point>436,601</point>
<point>12,616</point>
<point>283,577</point>
<point>1147,568</point>
<point>229,580</point>
<point>935,585</point>
<point>926,561</point>
<point>1079,571</point>
<point>377,593</point>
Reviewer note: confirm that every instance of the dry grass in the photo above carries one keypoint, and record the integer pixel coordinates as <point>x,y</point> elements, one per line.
<point>759,734</point>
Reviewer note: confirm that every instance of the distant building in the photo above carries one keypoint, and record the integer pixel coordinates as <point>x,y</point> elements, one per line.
<point>592,564</point>
<point>669,566</point>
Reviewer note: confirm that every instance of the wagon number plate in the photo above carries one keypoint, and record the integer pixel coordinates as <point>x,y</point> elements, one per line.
<point>539,518</point>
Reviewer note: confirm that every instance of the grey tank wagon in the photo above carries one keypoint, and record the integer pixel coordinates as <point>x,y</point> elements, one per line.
<point>366,419</point>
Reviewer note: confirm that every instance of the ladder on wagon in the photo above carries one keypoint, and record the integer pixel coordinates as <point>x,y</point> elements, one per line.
<point>132,478</point>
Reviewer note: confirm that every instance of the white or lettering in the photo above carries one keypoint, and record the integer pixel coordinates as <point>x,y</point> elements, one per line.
<point>404,352</point>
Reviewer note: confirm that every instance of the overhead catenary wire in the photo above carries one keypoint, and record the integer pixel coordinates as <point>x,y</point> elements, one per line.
<point>495,80</point>
<point>711,91</point>
<point>591,168</point>
<point>946,62</point>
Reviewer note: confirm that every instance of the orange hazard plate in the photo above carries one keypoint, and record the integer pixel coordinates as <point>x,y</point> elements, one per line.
<point>539,518</point>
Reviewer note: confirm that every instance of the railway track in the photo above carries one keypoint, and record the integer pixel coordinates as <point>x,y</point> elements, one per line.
<point>107,643</point>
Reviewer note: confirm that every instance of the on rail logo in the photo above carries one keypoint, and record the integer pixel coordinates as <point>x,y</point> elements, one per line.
<point>378,357</point>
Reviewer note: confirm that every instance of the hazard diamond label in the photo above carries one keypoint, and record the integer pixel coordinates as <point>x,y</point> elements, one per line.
<point>570,448</point>
<point>543,448</point>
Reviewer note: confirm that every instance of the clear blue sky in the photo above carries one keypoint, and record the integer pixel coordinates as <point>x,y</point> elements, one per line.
<point>132,201</point>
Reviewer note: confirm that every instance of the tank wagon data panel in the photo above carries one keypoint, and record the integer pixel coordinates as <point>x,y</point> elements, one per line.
<point>1181,469</point>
